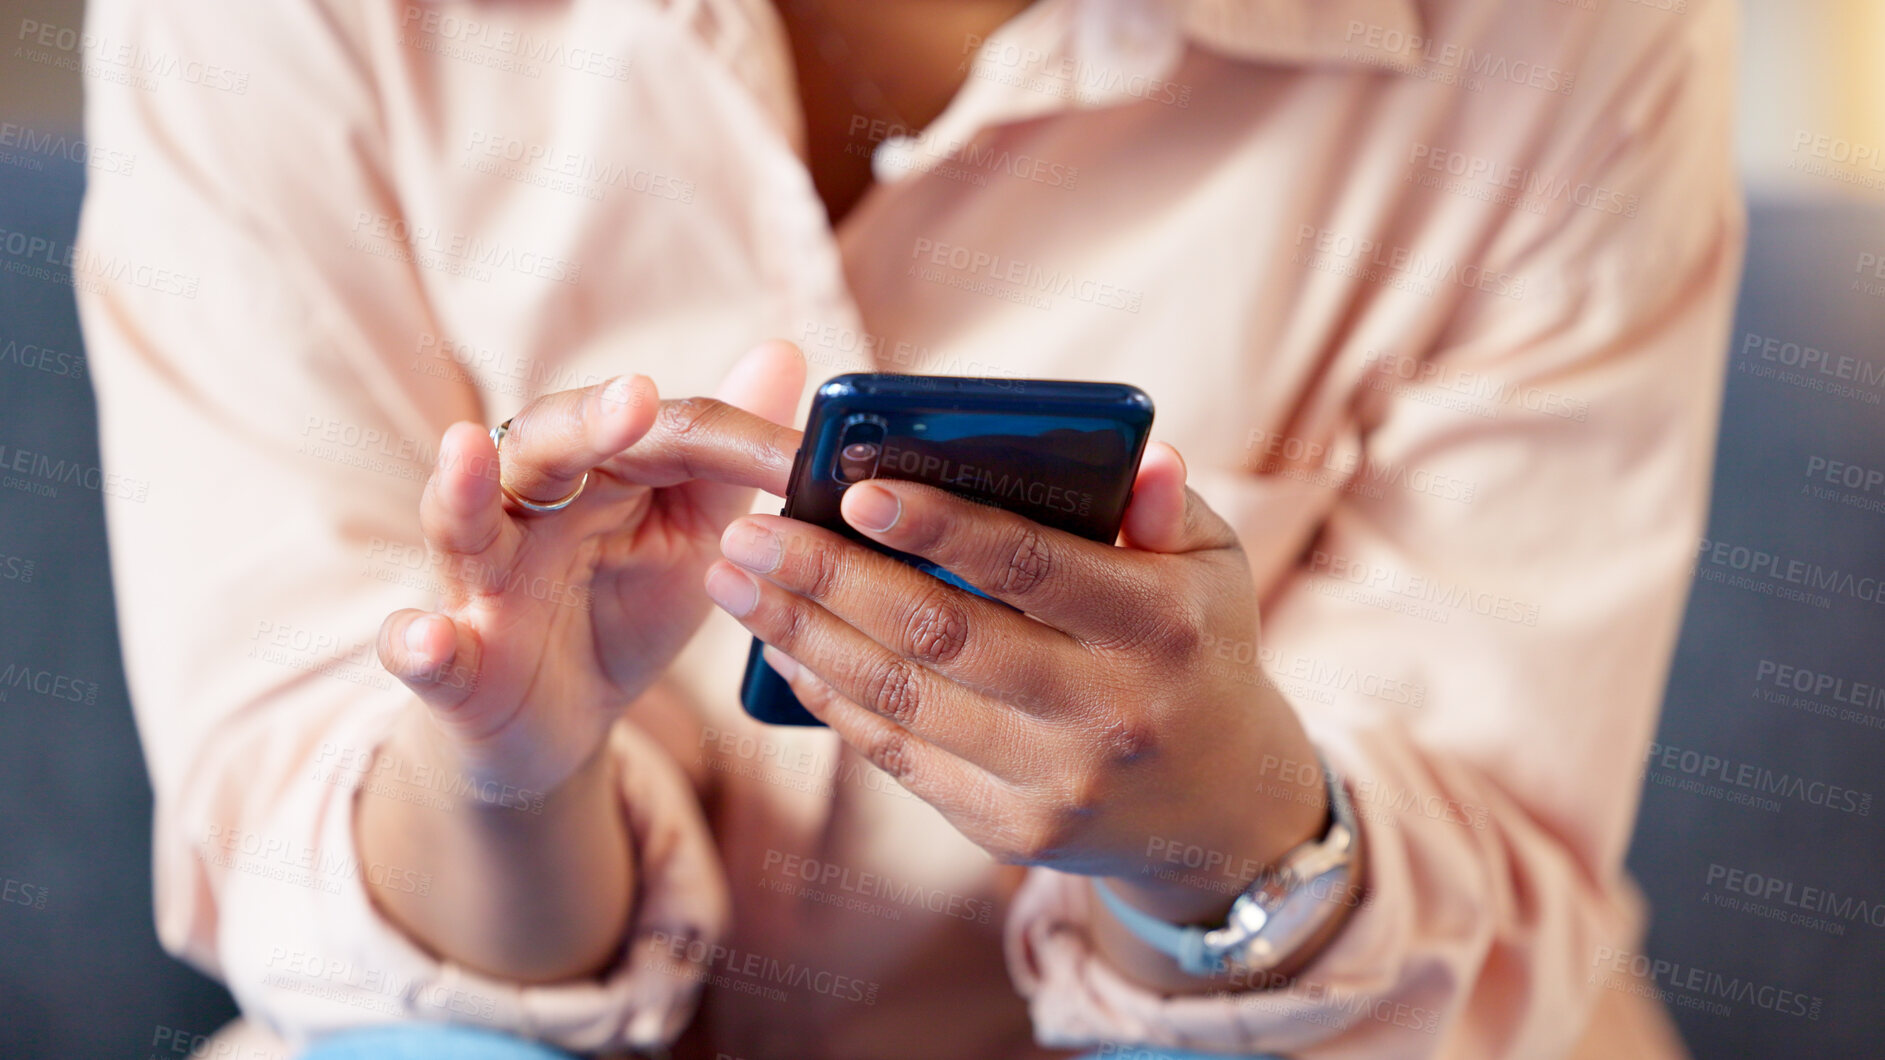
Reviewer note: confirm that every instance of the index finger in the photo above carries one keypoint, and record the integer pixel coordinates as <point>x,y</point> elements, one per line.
<point>708,439</point>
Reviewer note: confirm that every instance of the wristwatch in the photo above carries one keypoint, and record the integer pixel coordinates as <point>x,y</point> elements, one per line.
<point>1278,913</point>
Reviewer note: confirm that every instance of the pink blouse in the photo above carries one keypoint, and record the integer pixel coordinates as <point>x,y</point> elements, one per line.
<point>1433,296</point>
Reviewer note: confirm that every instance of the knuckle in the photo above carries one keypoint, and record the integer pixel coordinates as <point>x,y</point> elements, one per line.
<point>938,628</point>
<point>1166,627</point>
<point>893,691</point>
<point>1040,841</point>
<point>1084,797</point>
<point>1177,635</point>
<point>679,421</point>
<point>682,417</point>
<point>790,625</point>
<point>819,569</point>
<point>1052,835</point>
<point>1127,740</point>
<point>773,451</point>
<point>1049,827</point>
<point>1026,563</point>
<point>927,532</point>
<point>891,751</point>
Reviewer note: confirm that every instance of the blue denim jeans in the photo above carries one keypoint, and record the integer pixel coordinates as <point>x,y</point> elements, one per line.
<point>440,1042</point>
<point>428,1041</point>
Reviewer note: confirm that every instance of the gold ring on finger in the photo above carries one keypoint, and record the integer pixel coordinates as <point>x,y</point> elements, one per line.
<point>498,434</point>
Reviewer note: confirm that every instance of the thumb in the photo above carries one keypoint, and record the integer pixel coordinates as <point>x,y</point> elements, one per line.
<point>437,658</point>
<point>767,381</point>
<point>1166,516</point>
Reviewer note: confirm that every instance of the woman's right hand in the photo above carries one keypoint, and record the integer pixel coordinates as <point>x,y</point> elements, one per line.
<point>551,623</point>
<point>548,626</point>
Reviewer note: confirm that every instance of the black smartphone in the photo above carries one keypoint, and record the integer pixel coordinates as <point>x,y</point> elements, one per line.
<point>1063,454</point>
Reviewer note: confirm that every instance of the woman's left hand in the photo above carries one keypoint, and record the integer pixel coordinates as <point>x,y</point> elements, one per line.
<point>1108,727</point>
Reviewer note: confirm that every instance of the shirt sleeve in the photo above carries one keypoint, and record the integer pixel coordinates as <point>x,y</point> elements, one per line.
<point>1484,662</point>
<point>269,416</point>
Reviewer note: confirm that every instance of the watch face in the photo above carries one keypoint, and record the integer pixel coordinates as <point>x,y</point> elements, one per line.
<point>1285,908</point>
<point>1294,918</point>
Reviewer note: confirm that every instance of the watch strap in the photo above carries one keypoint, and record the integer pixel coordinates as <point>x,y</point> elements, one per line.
<point>1181,943</point>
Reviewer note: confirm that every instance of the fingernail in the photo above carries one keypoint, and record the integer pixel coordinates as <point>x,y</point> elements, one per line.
<point>872,508</point>
<point>751,546</point>
<point>734,591</point>
<point>782,664</point>
<point>615,394</point>
<point>415,636</point>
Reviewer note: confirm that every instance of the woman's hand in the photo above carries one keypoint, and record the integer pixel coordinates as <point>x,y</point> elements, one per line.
<point>1098,725</point>
<point>551,623</point>
<point>548,626</point>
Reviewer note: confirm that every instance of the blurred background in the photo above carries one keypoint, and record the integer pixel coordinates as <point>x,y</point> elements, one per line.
<point>1791,900</point>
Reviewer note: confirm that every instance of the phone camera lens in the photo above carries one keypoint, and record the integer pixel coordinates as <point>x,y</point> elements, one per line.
<point>857,461</point>
<point>860,447</point>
